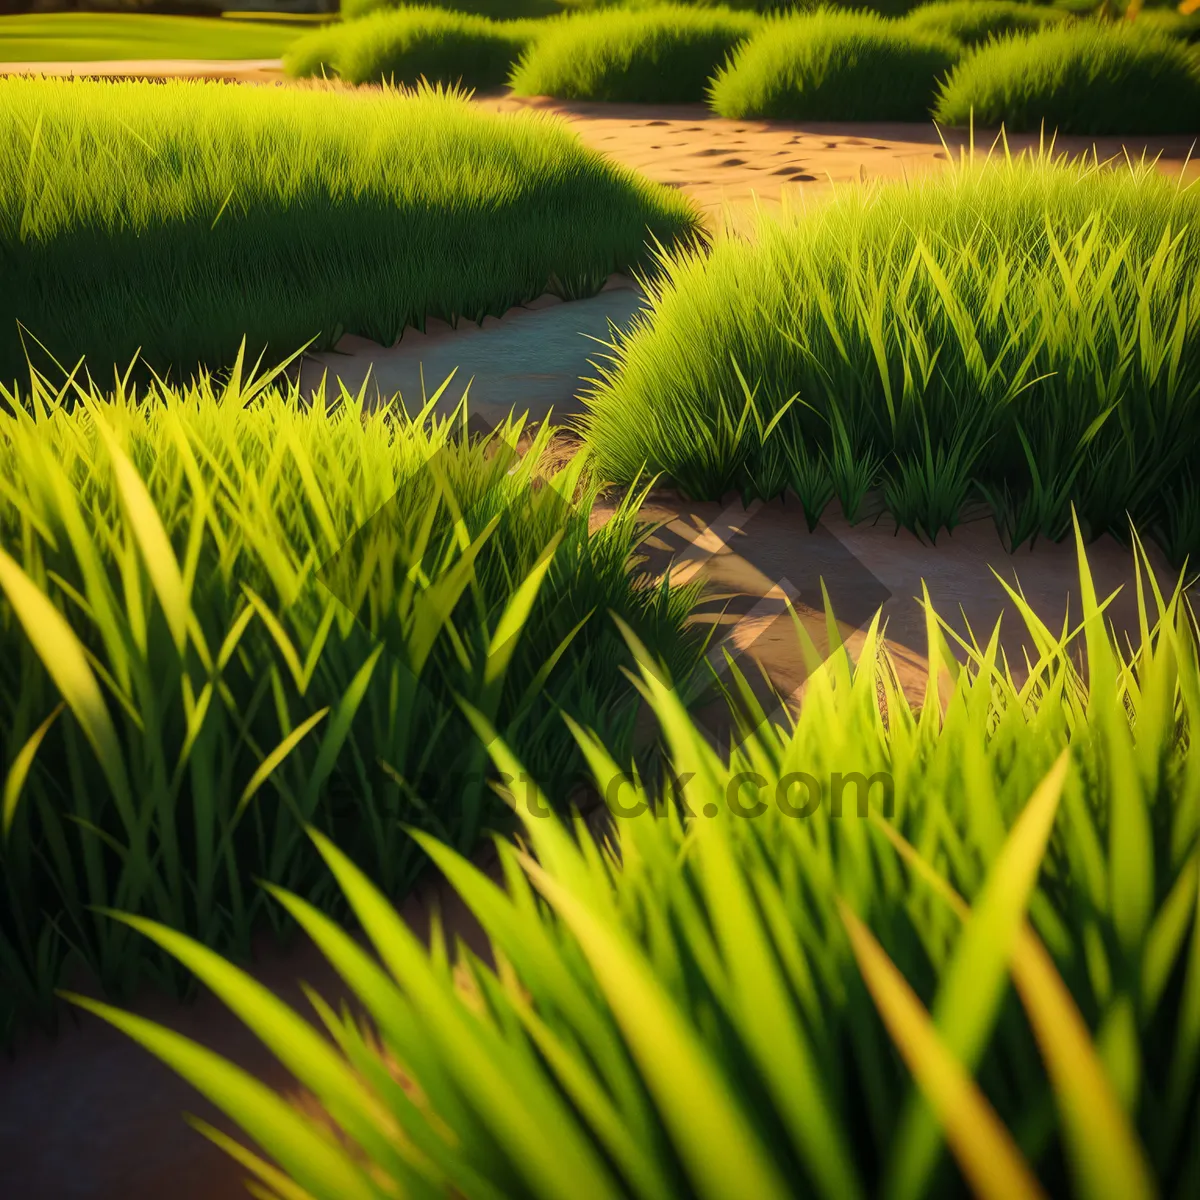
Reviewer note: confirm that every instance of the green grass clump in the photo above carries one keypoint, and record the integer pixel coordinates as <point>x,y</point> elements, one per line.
<point>1022,332</point>
<point>414,44</point>
<point>315,54</point>
<point>184,217</point>
<point>196,659</point>
<point>948,951</point>
<point>975,21</point>
<point>1185,26</point>
<point>1084,78</point>
<point>82,36</point>
<point>660,55</point>
<point>496,10</point>
<point>834,66</point>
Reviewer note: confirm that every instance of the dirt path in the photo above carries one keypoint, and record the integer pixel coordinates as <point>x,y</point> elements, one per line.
<point>719,162</point>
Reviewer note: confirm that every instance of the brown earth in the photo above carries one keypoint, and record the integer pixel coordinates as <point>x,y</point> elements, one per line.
<point>719,162</point>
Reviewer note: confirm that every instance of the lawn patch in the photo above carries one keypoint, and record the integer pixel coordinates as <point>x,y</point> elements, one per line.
<point>83,36</point>
<point>183,217</point>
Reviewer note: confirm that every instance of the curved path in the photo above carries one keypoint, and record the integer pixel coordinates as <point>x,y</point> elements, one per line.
<point>720,162</point>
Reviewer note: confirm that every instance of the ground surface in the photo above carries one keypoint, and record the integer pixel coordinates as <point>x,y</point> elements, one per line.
<point>56,38</point>
<point>722,162</point>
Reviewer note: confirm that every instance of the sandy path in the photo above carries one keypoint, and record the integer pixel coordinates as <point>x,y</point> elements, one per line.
<point>718,162</point>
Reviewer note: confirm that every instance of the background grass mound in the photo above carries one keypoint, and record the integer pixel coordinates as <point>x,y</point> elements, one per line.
<point>412,44</point>
<point>280,608</point>
<point>852,952</point>
<point>974,21</point>
<point>496,10</point>
<point>183,217</point>
<point>834,66</point>
<point>1185,26</point>
<point>659,55</point>
<point>1021,332</point>
<point>1084,78</point>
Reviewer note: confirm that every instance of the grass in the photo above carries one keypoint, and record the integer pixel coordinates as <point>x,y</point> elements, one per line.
<point>659,55</point>
<point>984,976</point>
<point>1175,24</point>
<point>1169,21</point>
<point>975,21</point>
<point>405,46</point>
<point>496,10</point>
<point>835,66</point>
<point>78,37</point>
<point>1084,78</point>
<point>183,217</point>
<point>1016,331</point>
<point>224,615</point>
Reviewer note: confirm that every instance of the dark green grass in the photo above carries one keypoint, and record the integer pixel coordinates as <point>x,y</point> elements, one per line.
<point>416,43</point>
<point>1024,334</point>
<point>660,55</point>
<point>834,66</point>
<point>78,37</point>
<point>180,218</point>
<point>1088,78</point>
<point>974,21</point>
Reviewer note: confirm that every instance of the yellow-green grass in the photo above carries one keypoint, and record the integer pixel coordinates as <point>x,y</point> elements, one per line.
<point>834,66</point>
<point>495,10</point>
<point>407,45</point>
<point>182,217</point>
<point>975,21</point>
<point>81,37</point>
<point>1085,77</point>
<point>970,967</point>
<point>224,614</point>
<point>1021,331</point>
<point>664,54</point>
<point>1171,21</point>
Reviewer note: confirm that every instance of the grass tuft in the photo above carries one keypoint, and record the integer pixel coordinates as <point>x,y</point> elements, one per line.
<point>225,615</point>
<point>975,21</point>
<point>414,44</point>
<point>666,54</point>
<point>756,985</point>
<point>834,66</point>
<point>1015,330</point>
<point>1086,77</point>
